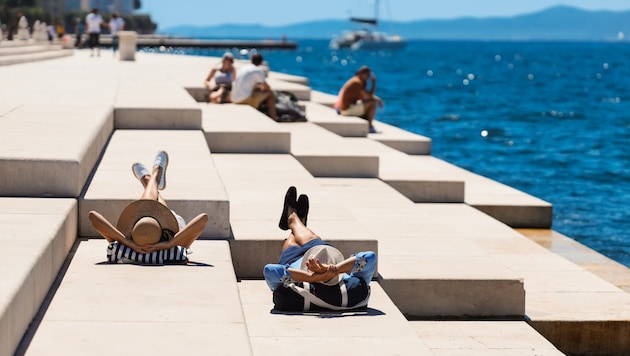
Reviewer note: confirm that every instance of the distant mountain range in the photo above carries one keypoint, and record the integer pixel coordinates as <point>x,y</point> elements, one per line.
<point>556,23</point>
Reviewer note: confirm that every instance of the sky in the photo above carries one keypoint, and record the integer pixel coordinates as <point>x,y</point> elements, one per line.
<point>169,13</point>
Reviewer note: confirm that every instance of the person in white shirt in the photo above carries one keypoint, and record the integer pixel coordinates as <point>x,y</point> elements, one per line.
<point>116,24</point>
<point>94,21</point>
<point>251,88</point>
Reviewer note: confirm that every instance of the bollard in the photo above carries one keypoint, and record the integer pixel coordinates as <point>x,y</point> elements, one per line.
<point>127,45</point>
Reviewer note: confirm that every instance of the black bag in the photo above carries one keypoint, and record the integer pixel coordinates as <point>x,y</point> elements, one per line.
<point>287,107</point>
<point>289,299</point>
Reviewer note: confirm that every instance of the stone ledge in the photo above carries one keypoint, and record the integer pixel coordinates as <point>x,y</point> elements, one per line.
<point>232,128</point>
<point>381,330</point>
<point>345,126</point>
<point>50,150</point>
<point>462,298</point>
<point>401,140</point>
<point>339,157</point>
<point>199,305</point>
<point>37,235</point>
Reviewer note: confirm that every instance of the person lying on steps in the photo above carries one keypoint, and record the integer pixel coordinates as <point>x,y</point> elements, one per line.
<point>311,274</point>
<point>147,230</point>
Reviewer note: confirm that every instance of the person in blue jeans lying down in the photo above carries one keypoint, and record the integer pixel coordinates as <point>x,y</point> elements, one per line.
<point>311,274</point>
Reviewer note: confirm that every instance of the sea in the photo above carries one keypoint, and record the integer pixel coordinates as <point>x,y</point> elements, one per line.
<point>551,119</point>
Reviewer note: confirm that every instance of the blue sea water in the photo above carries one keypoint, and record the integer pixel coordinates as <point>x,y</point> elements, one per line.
<point>549,118</point>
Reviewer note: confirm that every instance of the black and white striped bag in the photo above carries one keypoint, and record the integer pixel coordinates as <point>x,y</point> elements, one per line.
<point>119,253</point>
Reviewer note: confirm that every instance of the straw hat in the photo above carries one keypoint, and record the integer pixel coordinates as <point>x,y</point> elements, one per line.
<point>326,254</point>
<point>143,221</point>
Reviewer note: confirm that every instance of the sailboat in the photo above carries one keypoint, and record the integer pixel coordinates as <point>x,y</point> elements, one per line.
<point>368,37</point>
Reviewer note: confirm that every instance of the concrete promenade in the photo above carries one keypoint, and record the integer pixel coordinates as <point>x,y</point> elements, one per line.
<point>467,266</point>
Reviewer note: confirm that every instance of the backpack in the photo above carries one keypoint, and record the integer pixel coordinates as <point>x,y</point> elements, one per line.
<point>287,107</point>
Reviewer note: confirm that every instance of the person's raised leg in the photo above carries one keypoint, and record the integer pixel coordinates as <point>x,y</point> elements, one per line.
<point>301,234</point>
<point>151,184</point>
<point>144,176</point>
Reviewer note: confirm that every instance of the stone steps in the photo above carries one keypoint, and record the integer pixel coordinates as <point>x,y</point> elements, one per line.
<point>11,54</point>
<point>337,158</point>
<point>9,49</point>
<point>257,240</point>
<point>435,260</point>
<point>37,234</point>
<point>346,126</point>
<point>232,128</point>
<point>134,310</point>
<point>430,266</point>
<point>153,102</point>
<point>382,330</point>
<point>401,140</point>
<point>450,338</point>
<point>49,149</point>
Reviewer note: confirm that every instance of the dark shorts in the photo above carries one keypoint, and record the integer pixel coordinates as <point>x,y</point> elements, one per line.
<point>94,39</point>
<point>293,253</point>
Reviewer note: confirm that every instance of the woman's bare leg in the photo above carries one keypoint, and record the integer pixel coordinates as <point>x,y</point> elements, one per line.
<point>215,96</point>
<point>145,180</point>
<point>151,184</point>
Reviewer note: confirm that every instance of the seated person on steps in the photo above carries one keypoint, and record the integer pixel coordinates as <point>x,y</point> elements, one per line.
<point>355,100</point>
<point>147,230</point>
<point>223,76</point>
<point>311,274</point>
<point>250,87</point>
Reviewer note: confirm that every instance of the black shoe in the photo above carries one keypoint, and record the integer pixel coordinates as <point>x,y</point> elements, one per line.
<point>302,208</point>
<point>289,201</point>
